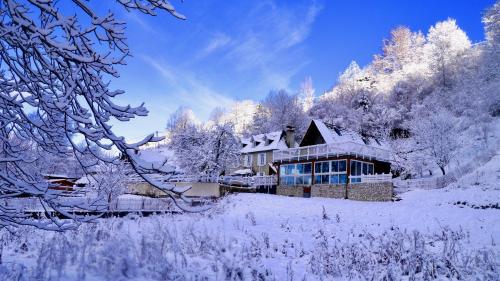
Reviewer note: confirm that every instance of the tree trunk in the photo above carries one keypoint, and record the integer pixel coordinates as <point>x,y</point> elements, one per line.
<point>442,170</point>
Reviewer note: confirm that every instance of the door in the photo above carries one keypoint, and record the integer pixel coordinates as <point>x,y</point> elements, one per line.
<point>307,191</point>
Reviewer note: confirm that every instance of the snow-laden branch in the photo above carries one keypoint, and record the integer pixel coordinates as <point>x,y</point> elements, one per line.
<point>54,89</point>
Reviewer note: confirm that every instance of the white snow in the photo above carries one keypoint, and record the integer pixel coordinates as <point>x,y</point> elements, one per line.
<point>332,137</point>
<point>274,236</point>
<point>265,142</point>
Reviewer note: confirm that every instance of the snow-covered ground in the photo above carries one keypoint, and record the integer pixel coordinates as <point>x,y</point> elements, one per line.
<point>268,237</point>
<point>449,233</point>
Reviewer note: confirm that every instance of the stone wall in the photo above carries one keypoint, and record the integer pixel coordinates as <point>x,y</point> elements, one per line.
<point>198,189</point>
<point>374,191</point>
<point>329,191</point>
<point>377,191</point>
<point>286,190</point>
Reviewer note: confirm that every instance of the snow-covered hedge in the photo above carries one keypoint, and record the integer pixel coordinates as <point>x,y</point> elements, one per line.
<point>173,248</point>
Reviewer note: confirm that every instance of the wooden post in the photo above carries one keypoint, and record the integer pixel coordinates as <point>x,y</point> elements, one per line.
<point>278,173</point>
<point>348,171</point>
<point>312,174</point>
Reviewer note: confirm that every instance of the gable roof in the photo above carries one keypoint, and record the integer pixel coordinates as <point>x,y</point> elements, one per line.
<point>264,142</point>
<point>331,134</point>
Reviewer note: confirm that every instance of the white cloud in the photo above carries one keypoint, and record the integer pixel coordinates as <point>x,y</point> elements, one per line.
<point>188,90</point>
<point>218,41</point>
<point>139,19</point>
<point>269,42</point>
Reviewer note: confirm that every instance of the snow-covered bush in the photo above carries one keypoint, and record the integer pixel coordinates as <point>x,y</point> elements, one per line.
<point>174,247</point>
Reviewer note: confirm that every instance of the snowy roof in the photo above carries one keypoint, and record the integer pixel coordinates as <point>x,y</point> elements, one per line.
<point>59,176</point>
<point>264,142</point>
<point>160,157</point>
<point>336,135</point>
<point>242,172</point>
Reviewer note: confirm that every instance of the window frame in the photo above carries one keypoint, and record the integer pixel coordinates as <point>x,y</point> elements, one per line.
<point>356,178</point>
<point>263,163</point>
<point>330,172</point>
<point>292,177</point>
<point>247,160</point>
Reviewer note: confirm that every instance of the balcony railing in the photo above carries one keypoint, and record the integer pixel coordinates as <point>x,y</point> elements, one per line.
<point>371,178</point>
<point>331,150</point>
<point>230,180</point>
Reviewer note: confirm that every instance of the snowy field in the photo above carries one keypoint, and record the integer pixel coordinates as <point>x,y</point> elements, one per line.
<point>426,235</point>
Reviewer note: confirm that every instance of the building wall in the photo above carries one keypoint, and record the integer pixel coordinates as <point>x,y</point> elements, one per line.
<point>295,191</point>
<point>329,191</point>
<point>255,167</point>
<point>373,191</point>
<point>198,189</point>
<point>379,191</point>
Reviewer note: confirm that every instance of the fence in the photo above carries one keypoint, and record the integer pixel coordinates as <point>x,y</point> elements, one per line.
<point>425,183</point>
<point>83,204</point>
<point>374,178</point>
<point>229,180</point>
<point>328,150</point>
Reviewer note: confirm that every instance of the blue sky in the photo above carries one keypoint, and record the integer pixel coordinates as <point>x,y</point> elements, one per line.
<point>235,50</point>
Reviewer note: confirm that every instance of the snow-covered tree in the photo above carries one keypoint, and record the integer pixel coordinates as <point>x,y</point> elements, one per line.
<point>260,120</point>
<point>222,149</point>
<point>180,119</point>
<point>277,111</point>
<point>446,46</point>
<point>401,50</point>
<point>306,94</point>
<point>58,66</point>
<point>240,114</point>
<point>202,150</point>
<point>436,135</point>
<point>111,180</point>
<point>491,20</point>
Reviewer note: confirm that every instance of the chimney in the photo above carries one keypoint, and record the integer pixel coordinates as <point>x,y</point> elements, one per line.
<point>290,136</point>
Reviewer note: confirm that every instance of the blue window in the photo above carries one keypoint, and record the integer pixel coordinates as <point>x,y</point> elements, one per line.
<point>294,174</point>
<point>343,178</point>
<point>334,179</point>
<point>330,172</point>
<point>305,180</point>
<point>304,168</point>
<point>342,165</point>
<point>322,179</point>
<point>360,168</point>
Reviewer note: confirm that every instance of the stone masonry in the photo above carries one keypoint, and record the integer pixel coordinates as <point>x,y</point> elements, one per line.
<point>329,191</point>
<point>295,191</point>
<point>377,191</point>
<point>373,191</point>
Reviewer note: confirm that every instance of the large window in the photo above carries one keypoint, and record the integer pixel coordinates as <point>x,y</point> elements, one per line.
<point>330,172</point>
<point>296,174</point>
<point>261,159</point>
<point>359,168</point>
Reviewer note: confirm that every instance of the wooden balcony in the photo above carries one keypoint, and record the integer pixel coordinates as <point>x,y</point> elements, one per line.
<point>322,151</point>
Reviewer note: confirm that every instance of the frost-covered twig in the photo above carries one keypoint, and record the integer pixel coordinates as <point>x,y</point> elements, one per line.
<point>54,92</point>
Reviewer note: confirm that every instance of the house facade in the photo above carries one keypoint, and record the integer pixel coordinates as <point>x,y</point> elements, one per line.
<point>257,152</point>
<point>334,162</point>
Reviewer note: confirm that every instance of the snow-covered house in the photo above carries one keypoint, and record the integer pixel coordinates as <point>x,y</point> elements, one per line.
<point>334,162</point>
<point>257,152</point>
<point>60,182</point>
